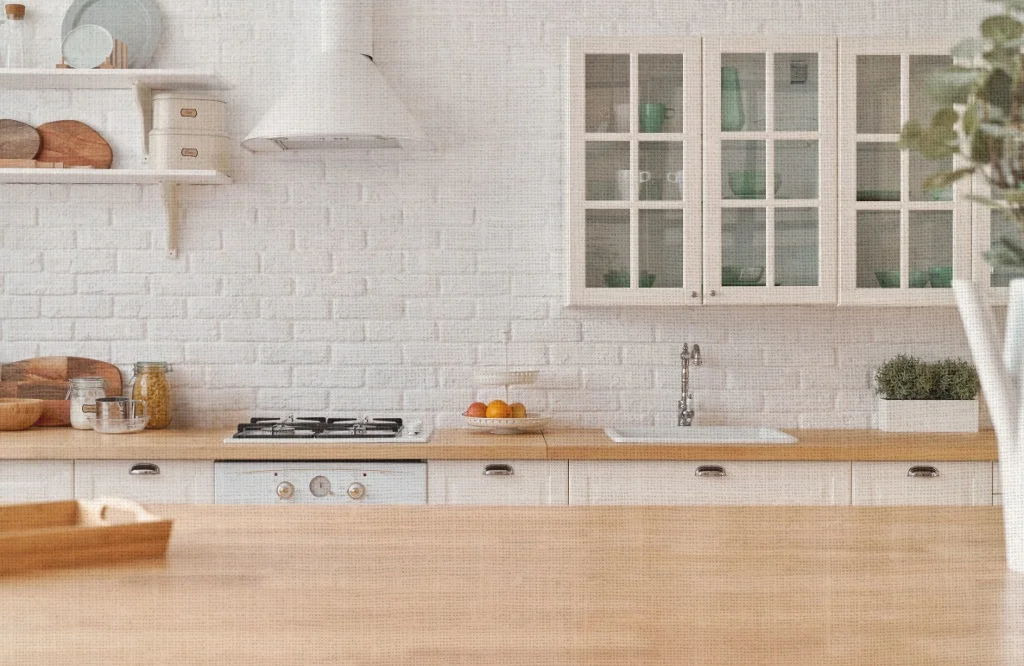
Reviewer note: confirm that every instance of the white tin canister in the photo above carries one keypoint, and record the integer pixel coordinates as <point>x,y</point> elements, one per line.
<point>176,149</point>
<point>197,111</point>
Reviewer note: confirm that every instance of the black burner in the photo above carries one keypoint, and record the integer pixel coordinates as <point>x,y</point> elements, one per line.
<point>309,427</point>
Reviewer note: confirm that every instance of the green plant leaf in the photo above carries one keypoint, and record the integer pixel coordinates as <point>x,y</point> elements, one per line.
<point>945,117</point>
<point>979,148</point>
<point>1001,27</point>
<point>971,119</point>
<point>955,85</point>
<point>1005,59</point>
<point>944,179</point>
<point>998,91</point>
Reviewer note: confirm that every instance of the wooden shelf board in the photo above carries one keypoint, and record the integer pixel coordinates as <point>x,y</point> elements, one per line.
<point>158,79</point>
<point>113,176</point>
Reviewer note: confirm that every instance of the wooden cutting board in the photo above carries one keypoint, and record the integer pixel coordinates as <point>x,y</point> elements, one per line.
<point>18,141</point>
<point>47,378</point>
<point>75,144</point>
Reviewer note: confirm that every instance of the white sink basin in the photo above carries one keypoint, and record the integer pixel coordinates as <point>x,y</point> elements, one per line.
<point>699,435</point>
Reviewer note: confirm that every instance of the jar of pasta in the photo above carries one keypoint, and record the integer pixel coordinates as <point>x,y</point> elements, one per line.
<point>150,383</point>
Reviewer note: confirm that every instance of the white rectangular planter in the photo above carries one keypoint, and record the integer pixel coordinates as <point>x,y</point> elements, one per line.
<point>928,415</point>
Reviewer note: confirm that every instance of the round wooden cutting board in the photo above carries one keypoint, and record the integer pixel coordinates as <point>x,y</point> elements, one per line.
<point>18,141</point>
<point>75,144</point>
<point>47,378</point>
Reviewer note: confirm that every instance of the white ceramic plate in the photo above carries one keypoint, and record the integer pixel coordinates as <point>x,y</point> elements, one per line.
<point>136,23</point>
<point>87,46</point>
<point>508,426</point>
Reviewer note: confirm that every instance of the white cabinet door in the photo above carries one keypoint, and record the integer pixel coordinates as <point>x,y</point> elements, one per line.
<point>922,483</point>
<point>709,482</point>
<point>498,482</point>
<point>900,243</point>
<point>24,481</point>
<point>634,171</point>
<point>159,481</point>
<point>769,170</point>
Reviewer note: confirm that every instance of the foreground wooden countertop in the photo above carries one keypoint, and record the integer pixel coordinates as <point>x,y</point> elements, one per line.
<point>587,585</point>
<point>464,444</point>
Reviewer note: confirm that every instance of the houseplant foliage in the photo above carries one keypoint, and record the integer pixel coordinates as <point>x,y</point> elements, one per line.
<point>982,121</point>
<point>909,378</point>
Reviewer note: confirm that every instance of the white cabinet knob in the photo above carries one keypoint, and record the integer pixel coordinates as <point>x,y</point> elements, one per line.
<point>285,490</point>
<point>356,491</point>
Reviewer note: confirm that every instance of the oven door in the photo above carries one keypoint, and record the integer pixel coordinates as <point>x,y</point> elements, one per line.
<point>320,482</point>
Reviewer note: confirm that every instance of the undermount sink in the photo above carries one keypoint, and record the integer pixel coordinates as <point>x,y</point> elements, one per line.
<point>699,435</point>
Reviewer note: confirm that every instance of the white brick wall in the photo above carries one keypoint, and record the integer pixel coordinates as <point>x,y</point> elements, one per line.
<point>380,281</point>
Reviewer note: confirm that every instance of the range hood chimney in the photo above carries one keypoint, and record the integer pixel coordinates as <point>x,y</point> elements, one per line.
<point>340,99</point>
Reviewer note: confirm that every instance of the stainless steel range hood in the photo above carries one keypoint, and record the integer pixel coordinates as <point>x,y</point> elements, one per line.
<point>339,100</point>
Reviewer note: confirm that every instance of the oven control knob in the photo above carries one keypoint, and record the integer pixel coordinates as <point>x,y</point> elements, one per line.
<point>285,490</point>
<point>320,486</point>
<point>356,491</point>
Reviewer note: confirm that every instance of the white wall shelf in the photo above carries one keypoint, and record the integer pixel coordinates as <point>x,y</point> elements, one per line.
<point>158,79</point>
<point>142,82</point>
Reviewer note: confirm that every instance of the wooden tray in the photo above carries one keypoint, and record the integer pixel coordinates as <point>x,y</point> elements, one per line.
<point>68,534</point>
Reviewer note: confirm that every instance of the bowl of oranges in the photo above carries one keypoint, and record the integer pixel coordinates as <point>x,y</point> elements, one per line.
<point>501,418</point>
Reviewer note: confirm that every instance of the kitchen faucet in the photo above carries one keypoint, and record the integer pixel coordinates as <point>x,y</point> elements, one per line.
<point>686,401</point>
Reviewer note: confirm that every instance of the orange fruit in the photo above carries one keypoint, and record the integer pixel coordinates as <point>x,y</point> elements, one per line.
<point>477,409</point>
<point>498,409</point>
<point>518,410</point>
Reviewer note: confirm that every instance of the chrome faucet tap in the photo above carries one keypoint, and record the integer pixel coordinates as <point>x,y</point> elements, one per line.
<point>686,412</point>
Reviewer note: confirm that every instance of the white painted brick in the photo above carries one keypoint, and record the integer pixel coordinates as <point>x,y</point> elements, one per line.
<point>404,330</point>
<point>241,376</point>
<point>147,261</point>
<point>35,330</point>
<point>441,308</point>
<point>79,261</point>
<point>39,239</point>
<point>546,331</point>
<point>589,354</point>
<point>363,400</point>
<point>19,307</point>
<point>184,285</point>
<point>62,307</point>
<point>366,353</point>
<point>295,308</point>
<point>251,330</point>
<point>228,261</point>
<point>113,284</point>
<point>572,401</point>
<point>39,284</point>
<point>77,215</point>
<point>440,262</point>
<point>297,263</point>
<point>407,378</point>
<point>520,354</point>
<point>471,331</point>
<point>322,376</point>
<point>184,330</point>
<point>20,261</point>
<point>220,353</point>
<point>294,353</point>
<point>114,239</point>
<point>519,308</point>
<point>423,353</point>
<point>258,238</point>
<point>283,217</point>
<point>329,285</point>
<point>329,330</point>
<point>147,307</point>
<point>404,238</point>
<point>171,352</point>
<point>335,239</point>
<point>366,307</point>
<point>257,285</point>
<point>304,400</point>
<point>474,285</point>
<point>109,329</point>
<point>223,307</point>
<point>612,331</point>
<point>616,378</point>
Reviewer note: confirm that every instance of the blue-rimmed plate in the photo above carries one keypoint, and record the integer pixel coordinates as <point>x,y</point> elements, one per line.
<point>136,23</point>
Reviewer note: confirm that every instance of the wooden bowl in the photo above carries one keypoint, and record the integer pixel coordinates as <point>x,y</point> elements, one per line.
<point>19,413</point>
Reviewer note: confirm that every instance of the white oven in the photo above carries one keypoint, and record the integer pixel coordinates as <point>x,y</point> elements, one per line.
<point>320,482</point>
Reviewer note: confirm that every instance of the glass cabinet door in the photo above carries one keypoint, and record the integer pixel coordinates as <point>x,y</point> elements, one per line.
<point>634,172</point>
<point>769,222</point>
<point>988,227</point>
<point>900,242</point>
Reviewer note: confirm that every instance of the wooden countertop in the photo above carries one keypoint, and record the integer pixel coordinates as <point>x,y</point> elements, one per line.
<point>464,444</point>
<point>609,585</point>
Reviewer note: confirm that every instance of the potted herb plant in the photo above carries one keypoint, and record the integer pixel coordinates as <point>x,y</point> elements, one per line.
<point>917,396</point>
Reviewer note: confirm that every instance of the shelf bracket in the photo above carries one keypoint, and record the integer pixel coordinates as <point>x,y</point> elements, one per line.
<point>144,102</point>
<point>171,208</point>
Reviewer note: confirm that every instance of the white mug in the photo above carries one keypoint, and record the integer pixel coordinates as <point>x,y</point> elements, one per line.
<point>625,181</point>
<point>677,178</point>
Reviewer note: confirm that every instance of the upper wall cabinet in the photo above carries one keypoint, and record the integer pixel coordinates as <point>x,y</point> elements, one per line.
<point>634,172</point>
<point>900,243</point>
<point>770,184</point>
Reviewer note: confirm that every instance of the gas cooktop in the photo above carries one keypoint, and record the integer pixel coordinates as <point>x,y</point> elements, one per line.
<point>310,429</point>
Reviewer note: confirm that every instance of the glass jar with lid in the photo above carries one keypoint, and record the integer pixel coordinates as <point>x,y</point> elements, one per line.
<point>84,391</point>
<point>150,383</point>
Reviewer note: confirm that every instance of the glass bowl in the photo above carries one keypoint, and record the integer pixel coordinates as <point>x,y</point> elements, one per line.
<point>119,426</point>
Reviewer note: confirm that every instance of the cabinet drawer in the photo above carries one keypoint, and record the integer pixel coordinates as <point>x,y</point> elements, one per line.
<point>160,481</point>
<point>709,482</point>
<point>922,483</point>
<point>498,482</point>
<point>24,481</point>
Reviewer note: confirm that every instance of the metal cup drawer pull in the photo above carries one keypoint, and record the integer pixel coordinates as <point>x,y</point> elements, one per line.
<point>143,469</point>
<point>498,470</point>
<point>709,470</point>
<point>923,472</point>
